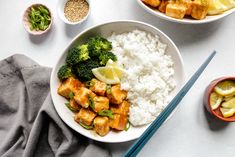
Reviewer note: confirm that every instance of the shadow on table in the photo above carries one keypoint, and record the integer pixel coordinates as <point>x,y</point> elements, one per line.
<point>181,34</point>
<point>38,39</point>
<point>213,122</point>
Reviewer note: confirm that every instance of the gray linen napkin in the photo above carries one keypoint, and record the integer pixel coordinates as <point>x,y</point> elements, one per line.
<point>29,124</point>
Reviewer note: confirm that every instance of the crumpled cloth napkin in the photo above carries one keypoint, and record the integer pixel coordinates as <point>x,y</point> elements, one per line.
<point>29,124</point>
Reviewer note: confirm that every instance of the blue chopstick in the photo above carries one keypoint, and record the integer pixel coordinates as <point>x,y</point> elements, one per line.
<point>143,139</point>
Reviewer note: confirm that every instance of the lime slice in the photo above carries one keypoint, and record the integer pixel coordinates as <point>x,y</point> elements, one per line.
<point>215,100</point>
<point>227,112</point>
<point>229,104</point>
<point>106,74</point>
<point>225,88</point>
<point>228,3</point>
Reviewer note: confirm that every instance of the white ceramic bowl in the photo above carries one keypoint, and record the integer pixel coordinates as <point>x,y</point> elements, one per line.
<point>27,24</point>
<point>60,11</point>
<point>185,20</point>
<point>106,30</point>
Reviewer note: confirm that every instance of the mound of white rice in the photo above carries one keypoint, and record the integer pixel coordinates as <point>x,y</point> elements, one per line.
<point>149,78</point>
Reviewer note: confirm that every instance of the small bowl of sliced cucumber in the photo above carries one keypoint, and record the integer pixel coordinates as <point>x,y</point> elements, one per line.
<point>219,98</point>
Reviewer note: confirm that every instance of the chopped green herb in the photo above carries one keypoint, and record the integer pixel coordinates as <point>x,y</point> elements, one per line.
<point>108,89</point>
<point>106,113</point>
<point>88,127</point>
<point>39,18</point>
<point>71,107</point>
<point>91,102</point>
<point>90,83</point>
<point>71,95</point>
<point>127,127</point>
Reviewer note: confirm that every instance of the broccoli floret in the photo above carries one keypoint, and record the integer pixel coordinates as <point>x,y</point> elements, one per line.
<point>105,56</point>
<point>97,45</point>
<point>77,54</point>
<point>83,69</point>
<point>64,72</point>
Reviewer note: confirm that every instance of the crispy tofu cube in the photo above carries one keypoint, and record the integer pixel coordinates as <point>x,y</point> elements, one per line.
<point>100,103</point>
<point>118,122</point>
<point>74,104</point>
<point>101,125</point>
<point>85,116</point>
<point>199,9</point>
<point>176,10</point>
<point>82,96</point>
<point>98,87</point>
<point>69,85</point>
<point>153,3</point>
<point>188,5</point>
<point>116,95</point>
<point>122,108</point>
<point>163,4</point>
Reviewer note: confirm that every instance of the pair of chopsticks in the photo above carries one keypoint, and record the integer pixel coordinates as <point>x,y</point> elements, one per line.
<point>143,139</point>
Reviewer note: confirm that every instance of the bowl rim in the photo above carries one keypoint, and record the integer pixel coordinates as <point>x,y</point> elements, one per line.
<point>98,25</point>
<point>185,21</point>
<point>210,90</point>
<point>26,25</point>
<point>65,20</point>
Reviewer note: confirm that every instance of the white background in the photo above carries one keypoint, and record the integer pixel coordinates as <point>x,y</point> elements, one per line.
<point>191,132</point>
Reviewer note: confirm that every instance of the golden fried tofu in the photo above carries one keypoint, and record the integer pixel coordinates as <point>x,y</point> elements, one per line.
<point>101,125</point>
<point>74,104</point>
<point>199,9</point>
<point>163,4</point>
<point>153,3</point>
<point>176,10</point>
<point>116,95</point>
<point>85,116</point>
<point>122,108</point>
<point>70,85</point>
<point>188,5</point>
<point>100,103</point>
<point>98,87</point>
<point>82,96</point>
<point>118,122</point>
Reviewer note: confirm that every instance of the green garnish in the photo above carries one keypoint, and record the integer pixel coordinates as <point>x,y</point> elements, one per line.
<point>108,89</point>
<point>71,107</point>
<point>39,18</point>
<point>91,102</point>
<point>106,113</point>
<point>89,83</point>
<point>127,127</point>
<point>71,95</point>
<point>88,127</point>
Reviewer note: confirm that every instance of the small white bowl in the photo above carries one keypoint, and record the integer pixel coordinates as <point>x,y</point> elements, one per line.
<point>184,20</point>
<point>60,11</point>
<point>27,24</point>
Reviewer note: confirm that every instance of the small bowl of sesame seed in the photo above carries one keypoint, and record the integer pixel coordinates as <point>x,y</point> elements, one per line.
<point>73,11</point>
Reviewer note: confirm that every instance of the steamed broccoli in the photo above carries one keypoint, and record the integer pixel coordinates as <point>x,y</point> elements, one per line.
<point>97,45</point>
<point>64,72</point>
<point>105,56</point>
<point>83,69</point>
<point>77,54</point>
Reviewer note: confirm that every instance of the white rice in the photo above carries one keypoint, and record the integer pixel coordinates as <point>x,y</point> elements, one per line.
<point>149,79</point>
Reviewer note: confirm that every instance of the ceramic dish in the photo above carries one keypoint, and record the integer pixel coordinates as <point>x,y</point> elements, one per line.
<point>206,99</point>
<point>185,20</point>
<point>60,11</point>
<point>27,24</point>
<point>106,30</point>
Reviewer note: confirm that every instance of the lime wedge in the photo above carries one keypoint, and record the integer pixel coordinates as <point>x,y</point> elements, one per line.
<point>225,88</point>
<point>229,104</point>
<point>227,112</point>
<point>215,100</point>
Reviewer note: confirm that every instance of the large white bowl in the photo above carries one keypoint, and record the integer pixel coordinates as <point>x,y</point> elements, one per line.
<point>106,30</point>
<point>185,20</point>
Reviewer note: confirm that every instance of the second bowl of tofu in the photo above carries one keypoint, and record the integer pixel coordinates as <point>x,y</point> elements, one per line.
<point>185,11</point>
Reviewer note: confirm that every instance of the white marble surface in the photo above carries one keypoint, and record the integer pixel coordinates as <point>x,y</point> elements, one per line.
<point>191,132</point>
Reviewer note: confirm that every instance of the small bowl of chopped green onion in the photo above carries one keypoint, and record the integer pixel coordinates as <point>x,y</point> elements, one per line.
<point>37,19</point>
